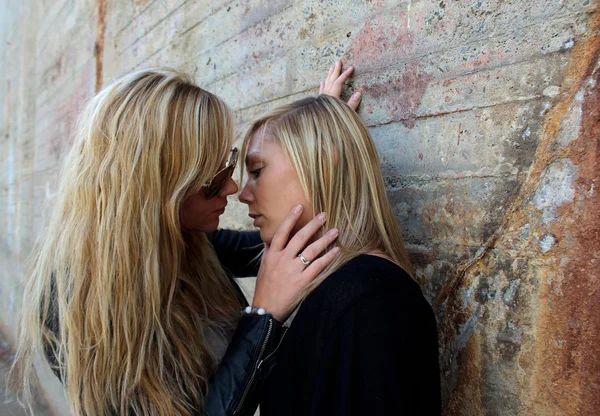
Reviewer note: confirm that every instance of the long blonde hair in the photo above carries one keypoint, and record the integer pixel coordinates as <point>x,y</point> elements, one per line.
<point>336,161</point>
<point>130,291</point>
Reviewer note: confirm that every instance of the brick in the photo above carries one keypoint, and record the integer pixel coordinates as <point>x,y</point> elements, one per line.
<point>304,67</point>
<point>494,141</point>
<point>138,19</point>
<point>431,26</point>
<point>195,28</point>
<point>459,212</point>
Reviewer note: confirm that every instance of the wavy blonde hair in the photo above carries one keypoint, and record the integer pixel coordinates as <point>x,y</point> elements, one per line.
<point>336,161</point>
<point>130,293</point>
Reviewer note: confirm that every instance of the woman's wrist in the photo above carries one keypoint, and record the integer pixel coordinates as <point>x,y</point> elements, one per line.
<point>260,303</point>
<point>253,310</point>
<point>256,311</point>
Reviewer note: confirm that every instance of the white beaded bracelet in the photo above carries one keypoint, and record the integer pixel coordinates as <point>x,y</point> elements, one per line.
<point>251,310</point>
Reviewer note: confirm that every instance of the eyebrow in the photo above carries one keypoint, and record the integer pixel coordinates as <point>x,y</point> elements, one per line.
<point>253,156</point>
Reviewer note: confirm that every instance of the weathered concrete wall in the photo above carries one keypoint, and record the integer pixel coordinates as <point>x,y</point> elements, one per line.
<point>486,116</point>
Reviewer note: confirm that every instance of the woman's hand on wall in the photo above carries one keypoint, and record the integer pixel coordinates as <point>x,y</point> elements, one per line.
<point>335,81</point>
<point>283,274</point>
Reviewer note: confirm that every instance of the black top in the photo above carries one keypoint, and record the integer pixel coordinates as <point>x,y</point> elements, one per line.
<point>238,251</point>
<point>364,342</point>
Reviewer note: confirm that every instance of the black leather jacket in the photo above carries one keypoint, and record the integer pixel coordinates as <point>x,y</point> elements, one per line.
<point>235,387</point>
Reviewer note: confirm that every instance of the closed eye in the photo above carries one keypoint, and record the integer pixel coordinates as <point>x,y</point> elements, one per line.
<point>255,172</point>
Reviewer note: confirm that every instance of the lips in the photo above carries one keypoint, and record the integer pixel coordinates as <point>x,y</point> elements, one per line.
<point>255,217</point>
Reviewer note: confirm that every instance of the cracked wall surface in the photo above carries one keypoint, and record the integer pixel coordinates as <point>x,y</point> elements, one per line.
<point>486,117</point>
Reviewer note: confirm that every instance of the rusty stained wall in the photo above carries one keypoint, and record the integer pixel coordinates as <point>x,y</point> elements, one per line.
<point>485,114</point>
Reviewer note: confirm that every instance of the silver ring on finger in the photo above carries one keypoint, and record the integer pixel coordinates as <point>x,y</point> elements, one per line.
<point>303,259</point>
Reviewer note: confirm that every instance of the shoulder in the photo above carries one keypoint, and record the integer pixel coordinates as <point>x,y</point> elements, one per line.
<point>359,303</point>
<point>366,275</point>
<point>364,280</point>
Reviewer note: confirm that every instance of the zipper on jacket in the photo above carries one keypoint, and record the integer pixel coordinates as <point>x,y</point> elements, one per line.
<point>249,385</point>
<point>268,357</point>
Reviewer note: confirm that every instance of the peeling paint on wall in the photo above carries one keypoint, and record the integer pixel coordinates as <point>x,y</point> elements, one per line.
<point>556,188</point>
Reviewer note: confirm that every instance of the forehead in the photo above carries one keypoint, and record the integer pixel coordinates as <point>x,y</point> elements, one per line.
<point>261,142</point>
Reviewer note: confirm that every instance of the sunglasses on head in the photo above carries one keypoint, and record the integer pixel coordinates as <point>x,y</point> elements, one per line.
<point>213,187</point>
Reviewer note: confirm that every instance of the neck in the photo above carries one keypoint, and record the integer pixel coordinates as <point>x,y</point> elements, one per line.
<point>378,253</point>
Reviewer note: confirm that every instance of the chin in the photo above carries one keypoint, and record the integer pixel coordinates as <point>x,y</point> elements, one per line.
<point>208,226</point>
<point>266,236</point>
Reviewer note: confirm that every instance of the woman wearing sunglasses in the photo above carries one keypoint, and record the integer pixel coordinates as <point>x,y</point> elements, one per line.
<point>131,296</point>
<point>364,339</point>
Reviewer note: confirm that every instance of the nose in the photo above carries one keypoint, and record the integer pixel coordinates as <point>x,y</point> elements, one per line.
<point>246,196</point>
<point>230,188</point>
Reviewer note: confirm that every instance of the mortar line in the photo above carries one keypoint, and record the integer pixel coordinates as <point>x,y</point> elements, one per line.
<point>126,49</point>
<point>461,110</point>
<point>274,99</point>
<point>159,50</point>
<point>136,16</point>
<point>414,180</point>
<point>421,117</point>
<point>213,47</point>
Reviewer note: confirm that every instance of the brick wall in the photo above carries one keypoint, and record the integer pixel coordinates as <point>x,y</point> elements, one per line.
<point>485,114</point>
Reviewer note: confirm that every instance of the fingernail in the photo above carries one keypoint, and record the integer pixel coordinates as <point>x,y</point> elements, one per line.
<point>297,209</point>
<point>335,250</point>
<point>322,216</point>
<point>356,95</point>
<point>333,231</point>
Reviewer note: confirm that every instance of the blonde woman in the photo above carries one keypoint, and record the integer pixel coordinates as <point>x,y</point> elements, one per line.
<point>364,339</point>
<point>130,296</point>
